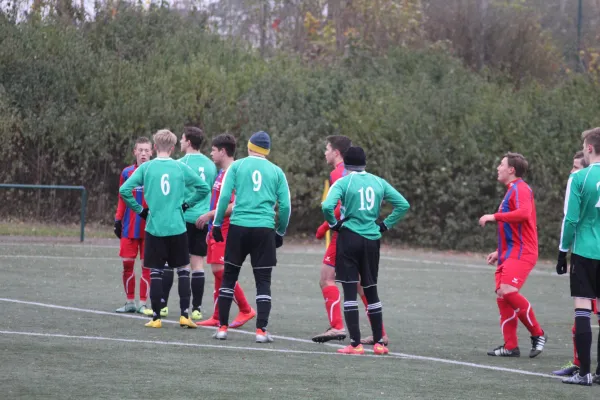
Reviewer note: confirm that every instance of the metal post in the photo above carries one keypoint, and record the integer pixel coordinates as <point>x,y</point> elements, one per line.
<point>83,209</point>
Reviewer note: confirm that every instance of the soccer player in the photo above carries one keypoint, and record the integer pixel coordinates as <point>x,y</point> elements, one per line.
<point>223,151</point>
<point>582,221</point>
<point>165,183</point>
<point>573,366</point>
<point>357,257</point>
<point>259,185</point>
<point>129,228</point>
<point>191,141</point>
<point>516,256</point>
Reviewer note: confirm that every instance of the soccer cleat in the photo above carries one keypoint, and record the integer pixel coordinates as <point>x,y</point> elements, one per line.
<point>330,334</point>
<point>196,315</point>
<point>579,380</point>
<point>369,340</point>
<point>164,312</point>
<point>221,333</point>
<point>596,379</point>
<point>187,323</point>
<point>156,323</point>
<point>537,345</point>
<point>567,370</point>
<point>127,308</point>
<point>502,351</point>
<point>263,336</point>
<point>380,349</point>
<point>352,350</point>
<point>209,322</point>
<point>142,309</point>
<point>149,312</point>
<point>242,318</point>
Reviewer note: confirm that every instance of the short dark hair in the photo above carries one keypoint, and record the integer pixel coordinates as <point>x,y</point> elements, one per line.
<point>592,136</point>
<point>340,143</point>
<point>142,140</point>
<point>195,135</point>
<point>518,162</point>
<point>579,156</point>
<point>225,141</point>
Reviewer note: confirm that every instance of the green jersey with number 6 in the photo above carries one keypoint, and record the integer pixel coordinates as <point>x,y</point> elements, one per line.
<point>581,224</point>
<point>207,170</point>
<point>165,183</point>
<point>361,195</point>
<point>258,185</point>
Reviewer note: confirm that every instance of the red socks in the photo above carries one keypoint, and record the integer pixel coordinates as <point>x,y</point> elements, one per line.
<point>366,303</point>
<point>238,296</point>
<point>508,323</point>
<point>525,312</point>
<point>240,299</point>
<point>129,279</point>
<point>332,297</point>
<point>575,356</point>
<point>144,284</point>
<point>218,279</point>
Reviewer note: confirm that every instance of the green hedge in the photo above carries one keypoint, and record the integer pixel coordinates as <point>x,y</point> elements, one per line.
<point>73,98</point>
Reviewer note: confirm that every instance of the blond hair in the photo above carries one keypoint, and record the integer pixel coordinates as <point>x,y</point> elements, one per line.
<point>592,136</point>
<point>164,140</point>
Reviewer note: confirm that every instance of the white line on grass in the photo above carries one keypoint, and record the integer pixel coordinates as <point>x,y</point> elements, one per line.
<point>399,355</point>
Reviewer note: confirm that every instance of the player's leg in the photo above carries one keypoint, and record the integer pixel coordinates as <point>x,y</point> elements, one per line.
<point>155,256</point>
<point>508,324</point>
<point>572,366</point>
<point>332,297</point>
<point>369,272</point>
<point>215,256</point>
<point>583,291</point>
<point>128,253</point>
<point>179,259</point>
<point>347,262</point>
<point>197,249</point>
<point>369,339</point>
<point>596,378</point>
<point>144,281</point>
<point>263,257</point>
<point>168,278</point>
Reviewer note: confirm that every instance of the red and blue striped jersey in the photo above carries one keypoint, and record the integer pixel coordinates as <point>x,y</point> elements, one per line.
<point>338,172</point>
<point>517,225</point>
<point>133,225</point>
<point>214,199</point>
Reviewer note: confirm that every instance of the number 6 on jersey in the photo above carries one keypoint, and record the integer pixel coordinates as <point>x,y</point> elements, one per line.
<point>164,184</point>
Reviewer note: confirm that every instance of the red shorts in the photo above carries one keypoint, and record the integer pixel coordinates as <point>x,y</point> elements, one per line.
<point>329,258</point>
<point>129,248</point>
<point>216,250</point>
<point>513,272</point>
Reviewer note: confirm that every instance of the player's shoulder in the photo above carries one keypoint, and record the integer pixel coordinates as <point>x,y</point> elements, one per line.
<point>128,170</point>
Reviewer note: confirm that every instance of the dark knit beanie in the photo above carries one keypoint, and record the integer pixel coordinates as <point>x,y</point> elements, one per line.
<point>260,143</point>
<point>355,159</point>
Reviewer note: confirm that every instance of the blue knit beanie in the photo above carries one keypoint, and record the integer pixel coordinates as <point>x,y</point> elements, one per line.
<point>260,143</point>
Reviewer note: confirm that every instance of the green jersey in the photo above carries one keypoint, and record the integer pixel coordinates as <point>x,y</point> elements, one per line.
<point>361,195</point>
<point>258,185</point>
<point>581,224</point>
<point>207,170</point>
<point>165,182</point>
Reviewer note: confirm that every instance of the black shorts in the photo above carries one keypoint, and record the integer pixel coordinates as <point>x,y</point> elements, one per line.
<point>585,277</point>
<point>357,259</point>
<point>172,250</point>
<point>197,239</point>
<point>258,242</point>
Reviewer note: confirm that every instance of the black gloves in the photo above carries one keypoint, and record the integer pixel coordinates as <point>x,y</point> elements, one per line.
<point>217,234</point>
<point>561,264</point>
<point>144,213</point>
<point>185,206</point>
<point>338,225</point>
<point>278,241</point>
<point>382,227</point>
<point>118,228</point>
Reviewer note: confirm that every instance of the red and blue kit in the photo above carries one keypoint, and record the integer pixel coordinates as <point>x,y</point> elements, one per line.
<point>216,250</point>
<point>132,236</point>
<point>330,253</point>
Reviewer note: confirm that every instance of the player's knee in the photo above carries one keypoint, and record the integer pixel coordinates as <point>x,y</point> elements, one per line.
<point>197,263</point>
<point>506,289</point>
<point>183,271</point>
<point>372,295</point>
<point>156,273</point>
<point>327,276</point>
<point>217,268</point>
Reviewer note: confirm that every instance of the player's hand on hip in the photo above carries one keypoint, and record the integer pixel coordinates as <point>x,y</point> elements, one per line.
<point>203,220</point>
<point>338,225</point>
<point>322,230</point>
<point>382,227</point>
<point>486,218</point>
<point>278,240</point>
<point>492,258</point>
<point>217,234</point>
<point>561,264</point>
<point>185,206</point>
<point>144,213</point>
<point>118,228</point>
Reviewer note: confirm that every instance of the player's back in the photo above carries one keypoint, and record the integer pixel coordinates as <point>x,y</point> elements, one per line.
<point>362,195</point>
<point>164,191</point>
<point>587,233</point>
<point>257,185</point>
<point>206,169</point>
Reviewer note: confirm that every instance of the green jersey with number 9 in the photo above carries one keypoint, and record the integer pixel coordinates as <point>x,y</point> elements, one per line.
<point>581,224</point>
<point>207,170</point>
<point>165,183</point>
<point>361,195</point>
<point>259,185</point>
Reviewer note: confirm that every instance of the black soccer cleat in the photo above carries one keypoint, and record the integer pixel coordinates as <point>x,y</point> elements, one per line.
<point>330,334</point>
<point>502,351</point>
<point>579,380</point>
<point>596,379</point>
<point>537,345</point>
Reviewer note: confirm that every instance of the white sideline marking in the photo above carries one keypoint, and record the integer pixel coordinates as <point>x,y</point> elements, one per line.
<point>398,355</point>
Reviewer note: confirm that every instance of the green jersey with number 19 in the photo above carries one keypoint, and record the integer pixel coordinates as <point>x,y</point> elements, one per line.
<point>207,170</point>
<point>165,182</point>
<point>258,185</point>
<point>361,195</point>
<point>581,225</point>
